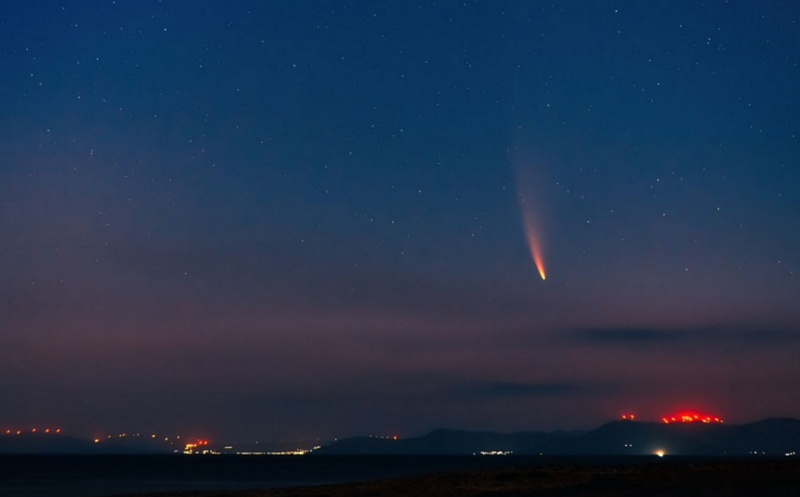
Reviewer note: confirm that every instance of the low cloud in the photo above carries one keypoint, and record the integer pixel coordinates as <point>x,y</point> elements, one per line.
<point>647,337</point>
<point>625,336</point>
<point>514,390</point>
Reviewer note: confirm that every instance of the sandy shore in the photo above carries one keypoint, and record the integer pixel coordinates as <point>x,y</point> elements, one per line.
<point>730,478</point>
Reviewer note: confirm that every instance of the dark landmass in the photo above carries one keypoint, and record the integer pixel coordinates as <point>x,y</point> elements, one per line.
<point>775,437</point>
<point>41,443</point>
<point>711,479</point>
<point>770,437</point>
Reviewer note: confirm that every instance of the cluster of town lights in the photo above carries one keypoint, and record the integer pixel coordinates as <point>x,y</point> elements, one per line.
<point>198,447</point>
<point>133,435</point>
<point>201,446</point>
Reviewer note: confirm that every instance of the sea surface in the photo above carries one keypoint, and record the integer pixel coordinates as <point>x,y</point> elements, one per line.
<point>108,475</point>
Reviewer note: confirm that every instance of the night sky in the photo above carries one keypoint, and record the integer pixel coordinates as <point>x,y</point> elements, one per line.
<point>316,219</point>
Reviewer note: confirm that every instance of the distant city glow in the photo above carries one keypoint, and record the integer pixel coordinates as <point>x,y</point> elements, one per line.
<point>660,453</point>
<point>295,452</point>
<point>496,452</point>
<point>197,447</point>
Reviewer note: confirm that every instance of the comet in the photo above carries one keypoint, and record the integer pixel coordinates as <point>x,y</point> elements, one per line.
<point>533,242</point>
<point>529,182</point>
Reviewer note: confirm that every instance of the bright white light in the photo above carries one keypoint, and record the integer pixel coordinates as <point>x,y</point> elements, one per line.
<point>660,453</point>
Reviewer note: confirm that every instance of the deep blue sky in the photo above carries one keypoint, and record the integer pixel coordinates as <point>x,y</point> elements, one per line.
<point>274,219</point>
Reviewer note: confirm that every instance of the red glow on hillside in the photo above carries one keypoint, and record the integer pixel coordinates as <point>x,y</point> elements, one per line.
<point>691,417</point>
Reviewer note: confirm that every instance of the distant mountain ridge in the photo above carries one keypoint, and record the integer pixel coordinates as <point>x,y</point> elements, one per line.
<point>773,437</point>
<point>770,437</point>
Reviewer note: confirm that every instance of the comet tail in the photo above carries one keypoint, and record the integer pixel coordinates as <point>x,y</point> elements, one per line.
<point>535,248</point>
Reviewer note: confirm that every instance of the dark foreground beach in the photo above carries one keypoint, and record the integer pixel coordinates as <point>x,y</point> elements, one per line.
<point>662,478</point>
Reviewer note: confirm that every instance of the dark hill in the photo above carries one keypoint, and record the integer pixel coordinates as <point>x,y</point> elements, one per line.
<point>41,443</point>
<point>774,437</point>
<point>770,437</point>
<point>447,442</point>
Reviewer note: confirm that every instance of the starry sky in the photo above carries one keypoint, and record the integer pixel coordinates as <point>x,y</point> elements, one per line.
<point>308,219</point>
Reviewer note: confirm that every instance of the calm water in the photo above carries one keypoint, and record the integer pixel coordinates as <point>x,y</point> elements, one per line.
<point>93,476</point>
